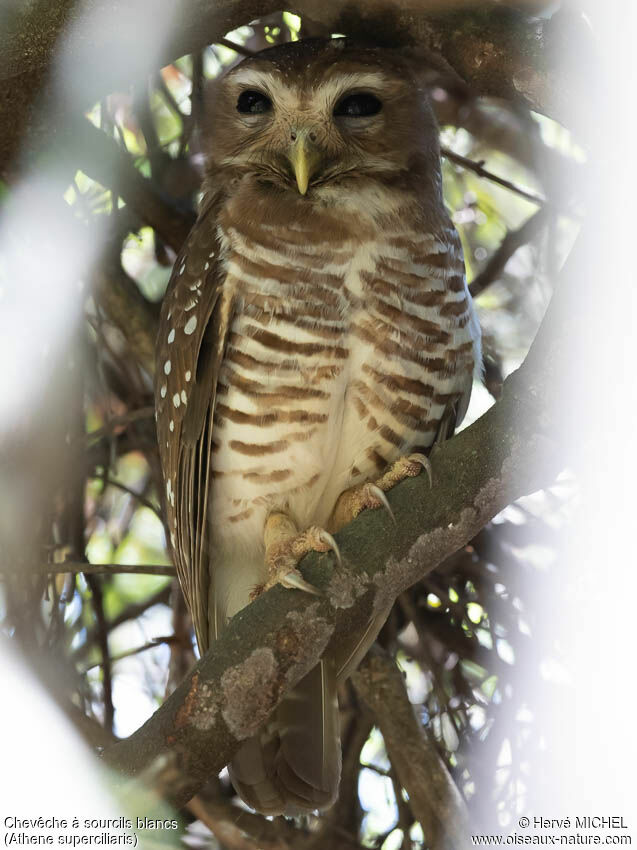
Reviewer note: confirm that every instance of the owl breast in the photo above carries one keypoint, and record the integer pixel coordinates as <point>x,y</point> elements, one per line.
<point>345,352</point>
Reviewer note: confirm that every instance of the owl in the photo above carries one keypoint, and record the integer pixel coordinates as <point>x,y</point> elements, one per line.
<point>316,339</point>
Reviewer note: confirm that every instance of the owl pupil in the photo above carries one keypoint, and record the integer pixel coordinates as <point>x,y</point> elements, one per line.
<point>358,105</point>
<point>253,102</point>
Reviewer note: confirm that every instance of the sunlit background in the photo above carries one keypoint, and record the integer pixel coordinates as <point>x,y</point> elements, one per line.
<point>84,262</point>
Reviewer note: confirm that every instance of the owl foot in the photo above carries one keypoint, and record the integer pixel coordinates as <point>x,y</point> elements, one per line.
<point>284,550</point>
<point>372,494</point>
<point>408,466</point>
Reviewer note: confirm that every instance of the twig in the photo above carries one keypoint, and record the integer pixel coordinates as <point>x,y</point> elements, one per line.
<point>102,640</point>
<point>509,245</point>
<point>238,48</point>
<point>138,496</point>
<point>477,167</point>
<point>119,421</point>
<point>152,644</point>
<point>130,612</point>
<point>103,569</point>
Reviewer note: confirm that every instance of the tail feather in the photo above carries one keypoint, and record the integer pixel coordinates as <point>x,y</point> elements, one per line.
<point>252,773</point>
<point>294,766</point>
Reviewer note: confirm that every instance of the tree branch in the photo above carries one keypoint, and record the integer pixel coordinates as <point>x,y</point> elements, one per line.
<point>125,306</point>
<point>434,798</point>
<point>509,245</point>
<point>497,51</point>
<point>478,168</point>
<point>270,645</point>
<point>100,569</point>
<point>104,160</point>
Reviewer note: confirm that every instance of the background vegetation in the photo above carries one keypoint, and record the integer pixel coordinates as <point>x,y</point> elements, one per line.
<point>94,603</point>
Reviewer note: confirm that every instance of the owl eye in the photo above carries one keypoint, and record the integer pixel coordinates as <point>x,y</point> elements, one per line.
<point>253,102</point>
<point>358,105</point>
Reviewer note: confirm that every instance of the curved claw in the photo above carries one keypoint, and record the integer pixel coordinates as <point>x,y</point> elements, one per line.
<point>295,580</point>
<point>382,498</point>
<point>326,538</point>
<point>424,461</point>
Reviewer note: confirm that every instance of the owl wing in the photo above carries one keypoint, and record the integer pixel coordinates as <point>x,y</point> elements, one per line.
<point>195,321</point>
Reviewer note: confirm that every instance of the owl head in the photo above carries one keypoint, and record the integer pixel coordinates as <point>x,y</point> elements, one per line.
<point>305,116</point>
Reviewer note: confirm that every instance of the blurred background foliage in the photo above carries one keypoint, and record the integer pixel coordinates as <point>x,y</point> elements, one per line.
<point>119,638</point>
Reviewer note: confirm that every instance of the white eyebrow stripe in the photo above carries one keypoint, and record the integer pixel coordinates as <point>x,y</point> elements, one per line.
<point>254,77</point>
<point>282,95</point>
<point>334,87</point>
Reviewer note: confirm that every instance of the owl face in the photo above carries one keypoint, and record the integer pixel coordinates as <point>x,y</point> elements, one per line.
<point>311,114</point>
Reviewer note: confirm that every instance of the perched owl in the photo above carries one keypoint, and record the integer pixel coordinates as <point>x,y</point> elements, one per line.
<point>317,337</point>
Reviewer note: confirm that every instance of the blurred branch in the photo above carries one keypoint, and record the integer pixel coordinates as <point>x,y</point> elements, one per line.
<point>478,168</point>
<point>102,641</point>
<point>131,612</point>
<point>139,497</point>
<point>104,160</point>
<point>105,569</point>
<point>118,421</point>
<point>515,133</point>
<point>127,309</point>
<point>497,51</point>
<point>434,797</point>
<point>169,640</point>
<point>510,244</point>
<point>221,820</point>
<point>242,830</point>
<point>238,48</point>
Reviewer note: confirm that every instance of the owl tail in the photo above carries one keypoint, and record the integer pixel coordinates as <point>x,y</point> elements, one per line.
<point>294,764</point>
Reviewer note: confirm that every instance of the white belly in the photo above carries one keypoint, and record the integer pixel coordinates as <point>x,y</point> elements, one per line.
<point>267,457</point>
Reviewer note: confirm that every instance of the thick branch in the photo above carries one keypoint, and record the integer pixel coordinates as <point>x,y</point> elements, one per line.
<point>433,795</point>
<point>497,51</point>
<point>99,156</point>
<point>126,307</point>
<point>272,643</point>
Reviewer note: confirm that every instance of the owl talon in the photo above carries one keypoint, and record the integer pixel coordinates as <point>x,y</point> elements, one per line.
<point>382,498</point>
<point>329,541</point>
<point>295,581</point>
<point>285,548</point>
<point>424,461</point>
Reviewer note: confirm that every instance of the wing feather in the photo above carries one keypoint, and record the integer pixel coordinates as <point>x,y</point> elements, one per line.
<point>194,324</point>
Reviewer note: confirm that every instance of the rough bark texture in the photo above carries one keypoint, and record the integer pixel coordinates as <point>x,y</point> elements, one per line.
<point>279,637</point>
<point>497,51</point>
<point>434,798</point>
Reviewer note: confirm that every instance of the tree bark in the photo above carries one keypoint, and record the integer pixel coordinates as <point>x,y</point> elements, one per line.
<point>497,51</point>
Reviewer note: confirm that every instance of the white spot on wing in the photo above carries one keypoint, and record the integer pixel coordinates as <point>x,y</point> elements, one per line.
<point>167,367</point>
<point>176,400</point>
<point>171,335</point>
<point>190,325</point>
<point>163,390</point>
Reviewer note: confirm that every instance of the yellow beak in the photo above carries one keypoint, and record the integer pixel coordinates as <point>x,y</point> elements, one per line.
<point>305,157</point>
